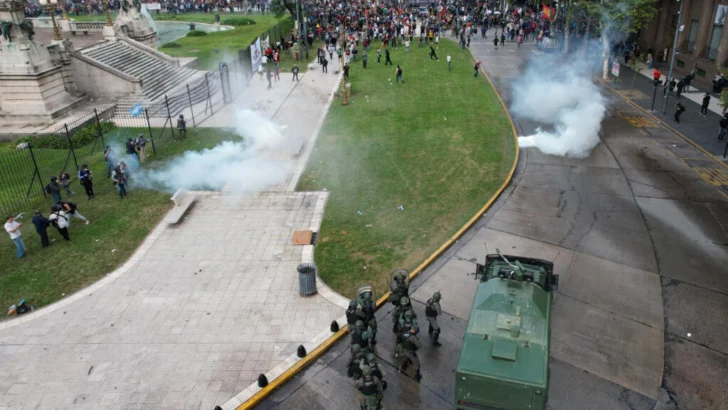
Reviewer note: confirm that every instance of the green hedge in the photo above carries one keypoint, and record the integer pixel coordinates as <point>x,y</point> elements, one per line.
<point>80,137</point>
<point>237,21</point>
<point>171,45</point>
<point>196,33</point>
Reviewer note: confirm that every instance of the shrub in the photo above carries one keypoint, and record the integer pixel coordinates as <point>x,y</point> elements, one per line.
<point>171,44</point>
<point>80,137</point>
<point>237,21</point>
<point>196,33</point>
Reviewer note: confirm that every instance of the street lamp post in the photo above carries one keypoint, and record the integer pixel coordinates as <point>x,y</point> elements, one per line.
<point>672,59</point>
<point>50,7</point>
<point>298,37</point>
<point>106,11</point>
<point>64,14</point>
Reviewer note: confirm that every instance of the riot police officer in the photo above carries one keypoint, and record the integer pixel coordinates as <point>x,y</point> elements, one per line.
<point>371,388</point>
<point>432,311</point>
<point>410,344</point>
<point>377,369</point>
<point>362,336</point>
<point>368,308</point>
<point>407,322</point>
<point>354,371</point>
<point>404,305</point>
<point>354,313</point>
<point>399,288</point>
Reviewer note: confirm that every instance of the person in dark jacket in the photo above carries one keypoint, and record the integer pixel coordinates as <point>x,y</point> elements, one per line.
<point>723,127</point>
<point>182,127</point>
<point>53,189</point>
<point>65,182</point>
<point>84,175</point>
<point>680,86</point>
<point>679,109</point>
<point>41,226</point>
<point>387,59</point>
<point>704,106</point>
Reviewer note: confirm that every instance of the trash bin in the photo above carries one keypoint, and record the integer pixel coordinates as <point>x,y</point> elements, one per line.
<point>307,278</point>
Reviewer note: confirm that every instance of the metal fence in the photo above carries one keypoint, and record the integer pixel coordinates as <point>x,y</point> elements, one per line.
<point>26,171</point>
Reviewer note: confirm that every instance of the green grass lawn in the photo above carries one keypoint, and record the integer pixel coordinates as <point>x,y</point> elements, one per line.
<point>439,145</point>
<point>224,45</point>
<point>116,230</point>
<point>215,47</point>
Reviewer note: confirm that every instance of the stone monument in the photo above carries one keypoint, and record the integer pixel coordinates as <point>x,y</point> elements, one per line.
<point>132,24</point>
<point>36,84</point>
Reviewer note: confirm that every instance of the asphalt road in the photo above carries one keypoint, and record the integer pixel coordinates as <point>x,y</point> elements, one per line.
<point>638,233</point>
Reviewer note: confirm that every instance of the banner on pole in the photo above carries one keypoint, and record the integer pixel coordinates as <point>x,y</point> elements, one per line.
<point>152,6</point>
<point>615,69</point>
<point>265,43</point>
<point>255,54</point>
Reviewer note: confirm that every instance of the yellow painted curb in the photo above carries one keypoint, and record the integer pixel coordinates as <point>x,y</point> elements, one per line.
<point>323,347</point>
<point>662,122</point>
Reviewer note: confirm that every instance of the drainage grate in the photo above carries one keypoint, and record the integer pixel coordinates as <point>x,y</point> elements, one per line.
<point>314,237</point>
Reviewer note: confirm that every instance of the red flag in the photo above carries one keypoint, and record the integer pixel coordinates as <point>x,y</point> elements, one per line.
<point>547,12</point>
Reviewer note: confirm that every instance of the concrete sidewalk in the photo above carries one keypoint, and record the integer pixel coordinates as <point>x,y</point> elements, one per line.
<point>198,312</point>
<point>701,130</point>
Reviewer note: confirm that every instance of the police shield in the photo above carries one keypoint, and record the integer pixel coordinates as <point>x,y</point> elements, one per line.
<point>396,276</point>
<point>364,291</point>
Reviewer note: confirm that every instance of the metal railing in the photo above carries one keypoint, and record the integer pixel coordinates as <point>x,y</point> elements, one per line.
<point>691,46</point>
<point>87,26</point>
<point>712,54</point>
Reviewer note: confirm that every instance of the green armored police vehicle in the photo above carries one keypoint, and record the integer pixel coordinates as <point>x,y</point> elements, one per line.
<point>504,362</point>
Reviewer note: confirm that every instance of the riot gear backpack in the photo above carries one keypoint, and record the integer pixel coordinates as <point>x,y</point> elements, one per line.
<point>429,310</point>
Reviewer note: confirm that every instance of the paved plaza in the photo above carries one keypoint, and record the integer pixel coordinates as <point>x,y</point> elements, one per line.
<point>200,310</point>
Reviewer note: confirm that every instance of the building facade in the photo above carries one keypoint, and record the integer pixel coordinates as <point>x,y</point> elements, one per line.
<point>702,45</point>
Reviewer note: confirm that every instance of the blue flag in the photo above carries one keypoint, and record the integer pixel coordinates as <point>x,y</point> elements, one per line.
<point>136,110</point>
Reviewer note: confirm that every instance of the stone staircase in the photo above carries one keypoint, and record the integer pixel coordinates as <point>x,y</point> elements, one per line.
<point>158,77</point>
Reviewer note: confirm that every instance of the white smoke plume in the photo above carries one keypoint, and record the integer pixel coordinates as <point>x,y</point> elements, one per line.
<point>561,94</point>
<point>254,164</point>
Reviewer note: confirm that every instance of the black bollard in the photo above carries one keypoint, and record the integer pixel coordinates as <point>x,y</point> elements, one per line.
<point>262,380</point>
<point>334,326</point>
<point>301,351</point>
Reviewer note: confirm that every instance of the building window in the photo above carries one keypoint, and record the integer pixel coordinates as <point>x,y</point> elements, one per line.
<point>714,42</point>
<point>692,35</point>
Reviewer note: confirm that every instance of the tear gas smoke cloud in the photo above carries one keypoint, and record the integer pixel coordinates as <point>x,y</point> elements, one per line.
<point>235,166</point>
<point>560,94</point>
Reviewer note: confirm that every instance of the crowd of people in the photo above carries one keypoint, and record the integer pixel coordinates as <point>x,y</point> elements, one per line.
<point>62,209</point>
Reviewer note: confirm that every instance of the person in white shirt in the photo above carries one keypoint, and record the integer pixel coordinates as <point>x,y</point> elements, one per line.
<point>13,228</point>
<point>59,219</point>
<point>449,59</point>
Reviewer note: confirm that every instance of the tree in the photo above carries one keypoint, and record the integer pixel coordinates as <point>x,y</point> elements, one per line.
<point>616,20</point>
<point>279,8</point>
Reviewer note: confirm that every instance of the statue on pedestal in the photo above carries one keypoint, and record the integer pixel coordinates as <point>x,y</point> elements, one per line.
<point>134,25</point>
<point>5,27</point>
<point>26,26</point>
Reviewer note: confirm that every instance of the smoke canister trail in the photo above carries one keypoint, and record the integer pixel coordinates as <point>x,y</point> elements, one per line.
<point>238,167</point>
<point>563,95</point>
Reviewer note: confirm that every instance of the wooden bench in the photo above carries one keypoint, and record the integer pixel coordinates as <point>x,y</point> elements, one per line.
<point>183,200</point>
